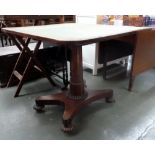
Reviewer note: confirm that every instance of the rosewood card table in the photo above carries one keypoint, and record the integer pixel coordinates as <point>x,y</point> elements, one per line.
<point>75,36</point>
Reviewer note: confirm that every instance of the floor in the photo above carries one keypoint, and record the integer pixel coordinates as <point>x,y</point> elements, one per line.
<point>131,117</point>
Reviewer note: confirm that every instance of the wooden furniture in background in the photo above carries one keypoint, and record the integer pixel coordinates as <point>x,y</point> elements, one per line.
<point>127,20</point>
<point>32,61</point>
<point>8,58</point>
<point>29,20</point>
<point>113,50</point>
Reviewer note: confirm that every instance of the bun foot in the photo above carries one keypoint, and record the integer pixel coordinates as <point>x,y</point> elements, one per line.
<point>38,109</point>
<point>109,99</point>
<point>68,127</point>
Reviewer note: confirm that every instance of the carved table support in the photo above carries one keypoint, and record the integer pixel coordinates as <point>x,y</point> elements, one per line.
<point>77,96</point>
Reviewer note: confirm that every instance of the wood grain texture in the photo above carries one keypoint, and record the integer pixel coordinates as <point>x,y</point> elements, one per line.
<point>144,54</point>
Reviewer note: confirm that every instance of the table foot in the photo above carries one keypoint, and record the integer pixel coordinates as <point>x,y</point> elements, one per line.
<point>110,99</point>
<point>67,126</point>
<point>72,106</point>
<point>39,108</point>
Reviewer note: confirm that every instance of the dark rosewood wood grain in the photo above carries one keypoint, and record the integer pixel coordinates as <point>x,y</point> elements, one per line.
<point>144,52</point>
<point>72,106</point>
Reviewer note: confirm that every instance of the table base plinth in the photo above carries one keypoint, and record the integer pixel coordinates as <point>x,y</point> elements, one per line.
<point>71,107</point>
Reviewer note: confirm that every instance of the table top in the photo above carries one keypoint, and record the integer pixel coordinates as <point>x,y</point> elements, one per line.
<point>72,32</point>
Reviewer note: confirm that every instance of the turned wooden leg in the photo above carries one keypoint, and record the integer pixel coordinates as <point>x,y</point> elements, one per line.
<point>110,99</point>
